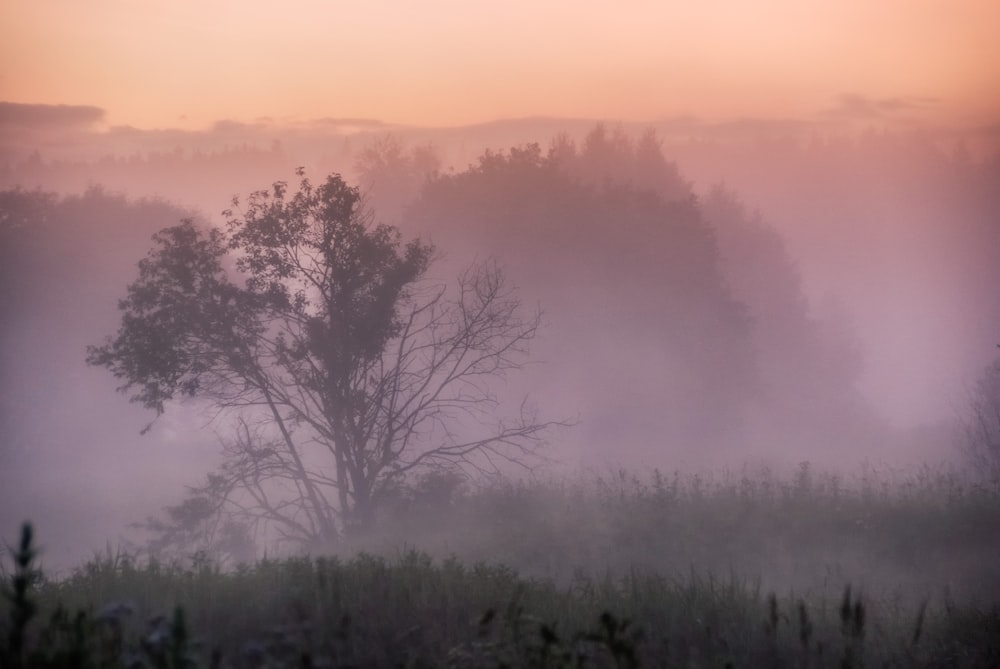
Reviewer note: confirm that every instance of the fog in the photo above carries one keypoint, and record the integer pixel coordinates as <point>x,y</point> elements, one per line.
<point>714,297</point>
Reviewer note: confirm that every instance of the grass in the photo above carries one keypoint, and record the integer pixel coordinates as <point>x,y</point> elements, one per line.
<point>615,572</point>
<point>911,536</point>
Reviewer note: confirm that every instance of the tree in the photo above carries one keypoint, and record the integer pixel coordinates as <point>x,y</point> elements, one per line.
<point>809,358</point>
<point>651,346</point>
<point>982,424</point>
<point>392,175</point>
<point>339,366</point>
<point>63,259</point>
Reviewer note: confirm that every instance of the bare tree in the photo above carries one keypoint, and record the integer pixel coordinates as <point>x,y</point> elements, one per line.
<point>338,365</point>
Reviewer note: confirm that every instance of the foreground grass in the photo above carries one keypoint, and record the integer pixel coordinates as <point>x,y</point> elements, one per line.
<point>614,571</point>
<point>414,612</point>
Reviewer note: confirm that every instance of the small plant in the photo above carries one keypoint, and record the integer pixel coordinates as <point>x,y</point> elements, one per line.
<point>852,628</point>
<point>77,638</point>
<point>22,607</point>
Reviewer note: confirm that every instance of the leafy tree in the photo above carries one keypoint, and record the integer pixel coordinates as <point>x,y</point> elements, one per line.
<point>610,156</point>
<point>63,261</point>
<point>982,424</point>
<point>809,365</point>
<point>345,368</point>
<point>200,527</point>
<point>392,175</point>
<point>649,341</point>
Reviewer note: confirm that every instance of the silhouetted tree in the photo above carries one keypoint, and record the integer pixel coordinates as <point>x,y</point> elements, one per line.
<point>809,366</point>
<point>612,157</point>
<point>24,219</point>
<point>201,527</point>
<point>392,175</point>
<point>347,369</point>
<point>982,424</point>
<point>644,328</point>
<point>63,259</point>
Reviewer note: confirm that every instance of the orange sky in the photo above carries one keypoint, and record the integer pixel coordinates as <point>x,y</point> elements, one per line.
<point>184,63</point>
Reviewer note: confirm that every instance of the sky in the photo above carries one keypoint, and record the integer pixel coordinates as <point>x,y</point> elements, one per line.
<point>187,64</point>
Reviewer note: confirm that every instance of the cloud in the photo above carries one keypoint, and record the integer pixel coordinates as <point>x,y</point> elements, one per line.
<point>348,122</point>
<point>904,103</point>
<point>231,127</point>
<point>854,106</point>
<point>682,123</point>
<point>224,132</point>
<point>761,126</point>
<point>735,129</point>
<point>38,117</point>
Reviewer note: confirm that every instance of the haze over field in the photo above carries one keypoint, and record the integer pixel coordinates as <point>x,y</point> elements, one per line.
<point>824,288</point>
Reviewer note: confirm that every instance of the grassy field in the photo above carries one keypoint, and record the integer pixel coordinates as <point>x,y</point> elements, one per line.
<point>742,570</point>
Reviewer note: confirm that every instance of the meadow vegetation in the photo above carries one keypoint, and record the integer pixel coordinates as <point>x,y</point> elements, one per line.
<point>744,569</point>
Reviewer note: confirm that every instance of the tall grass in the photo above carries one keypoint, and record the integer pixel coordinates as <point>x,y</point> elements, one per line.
<point>612,572</point>
<point>912,536</point>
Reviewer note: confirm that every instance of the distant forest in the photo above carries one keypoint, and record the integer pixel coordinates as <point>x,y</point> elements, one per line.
<point>675,315</point>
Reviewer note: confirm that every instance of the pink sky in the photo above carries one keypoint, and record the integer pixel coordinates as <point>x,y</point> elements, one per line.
<point>441,62</point>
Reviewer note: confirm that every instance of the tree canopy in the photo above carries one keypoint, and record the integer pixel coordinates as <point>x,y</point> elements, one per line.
<point>646,335</point>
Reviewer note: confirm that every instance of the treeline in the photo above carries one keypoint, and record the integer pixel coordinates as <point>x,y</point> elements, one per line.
<point>674,316</point>
<point>673,319</point>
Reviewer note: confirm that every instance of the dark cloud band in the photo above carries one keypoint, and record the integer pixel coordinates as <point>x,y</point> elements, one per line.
<point>48,116</point>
